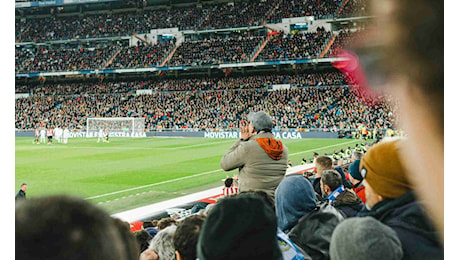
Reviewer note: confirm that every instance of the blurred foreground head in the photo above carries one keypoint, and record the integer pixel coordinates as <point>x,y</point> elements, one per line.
<point>64,227</point>
<point>410,44</point>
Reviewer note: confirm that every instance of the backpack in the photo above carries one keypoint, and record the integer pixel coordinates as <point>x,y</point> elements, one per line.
<point>313,232</point>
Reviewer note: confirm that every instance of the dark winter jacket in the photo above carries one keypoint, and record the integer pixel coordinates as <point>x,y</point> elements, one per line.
<point>408,219</point>
<point>313,232</point>
<point>21,195</point>
<point>349,203</point>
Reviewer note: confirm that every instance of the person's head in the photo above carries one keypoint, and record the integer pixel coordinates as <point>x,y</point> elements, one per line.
<point>330,180</point>
<point>355,174</point>
<point>67,228</point>
<point>155,222</point>
<point>165,222</point>
<point>294,198</point>
<point>260,121</point>
<point>383,173</point>
<point>143,239</point>
<point>228,182</point>
<point>323,163</point>
<point>186,237</point>
<point>239,227</point>
<point>129,242</point>
<point>163,243</point>
<point>23,187</point>
<point>147,224</point>
<point>364,238</point>
<point>356,156</point>
<point>315,155</point>
<point>412,37</point>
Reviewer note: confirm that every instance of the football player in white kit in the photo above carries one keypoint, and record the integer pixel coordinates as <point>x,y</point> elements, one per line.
<point>42,135</point>
<point>100,135</point>
<point>66,134</point>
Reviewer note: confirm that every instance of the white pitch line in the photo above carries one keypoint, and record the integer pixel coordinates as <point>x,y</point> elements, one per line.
<point>312,150</point>
<point>198,174</point>
<point>153,184</point>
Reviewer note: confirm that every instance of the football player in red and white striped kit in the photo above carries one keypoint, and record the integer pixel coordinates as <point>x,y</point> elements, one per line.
<point>230,187</point>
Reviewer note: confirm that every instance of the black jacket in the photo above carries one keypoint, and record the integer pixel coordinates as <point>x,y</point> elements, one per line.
<point>408,219</point>
<point>314,230</point>
<point>349,203</point>
<point>21,195</point>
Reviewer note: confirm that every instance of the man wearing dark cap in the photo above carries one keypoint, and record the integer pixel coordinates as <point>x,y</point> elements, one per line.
<point>260,158</point>
<point>22,192</point>
<point>357,180</point>
<point>390,199</point>
<point>239,227</point>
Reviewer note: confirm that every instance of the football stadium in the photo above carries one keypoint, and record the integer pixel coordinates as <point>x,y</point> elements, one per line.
<point>221,129</point>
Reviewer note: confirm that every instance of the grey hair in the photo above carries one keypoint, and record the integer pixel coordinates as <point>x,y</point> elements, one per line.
<point>162,243</point>
<point>356,155</point>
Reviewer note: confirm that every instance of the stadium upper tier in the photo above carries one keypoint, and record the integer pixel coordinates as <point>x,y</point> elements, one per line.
<point>212,16</point>
<point>304,105</point>
<point>212,49</point>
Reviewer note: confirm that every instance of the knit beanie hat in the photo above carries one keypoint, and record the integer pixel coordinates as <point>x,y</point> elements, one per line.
<point>364,238</point>
<point>239,227</point>
<point>382,169</point>
<point>353,169</point>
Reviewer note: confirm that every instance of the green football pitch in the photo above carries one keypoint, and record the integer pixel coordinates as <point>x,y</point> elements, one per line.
<point>128,173</point>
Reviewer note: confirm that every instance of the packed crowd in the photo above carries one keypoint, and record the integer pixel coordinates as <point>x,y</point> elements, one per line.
<point>344,40</point>
<point>318,9</point>
<point>325,108</point>
<point>238,14</point>
<point>105,25</point>
<point>354,8</point>
<point>248,13</point>
<point>187,84</point>
<point>294,46</point>
<point>231,49</point>
<point>63,58</point>
<point>141,56</point>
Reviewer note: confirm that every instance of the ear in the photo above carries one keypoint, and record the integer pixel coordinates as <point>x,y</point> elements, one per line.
<point>380,198</point>
<point>178,257</point>
<point>327,189</point>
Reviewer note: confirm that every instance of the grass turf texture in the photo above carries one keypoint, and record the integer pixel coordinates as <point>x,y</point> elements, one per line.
<point>128,173</point>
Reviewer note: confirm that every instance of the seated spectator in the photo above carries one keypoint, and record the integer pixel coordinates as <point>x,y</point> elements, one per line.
<point>357,180</point>
<point>390,199</point>
<point>143,239</point>
<point>363,239</point>
<point>337,195</point>
<point>186,237</point>
<point>229,187</point>
<point>162,244</point>
<point>322,163</point>
<point>149,228</point>
<point>239,227</point>
<point>68,228</point>
<point>165,222</point>
<point>309,226</point>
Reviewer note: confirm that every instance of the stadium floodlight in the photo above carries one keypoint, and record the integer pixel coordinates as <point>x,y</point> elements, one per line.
<point>117,126</point>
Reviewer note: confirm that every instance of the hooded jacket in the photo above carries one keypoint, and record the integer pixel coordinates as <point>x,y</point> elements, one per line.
<point>407,218</point>
<point>261,160</point>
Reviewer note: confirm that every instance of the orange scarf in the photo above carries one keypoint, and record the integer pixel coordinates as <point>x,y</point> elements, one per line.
<point>273,147</point>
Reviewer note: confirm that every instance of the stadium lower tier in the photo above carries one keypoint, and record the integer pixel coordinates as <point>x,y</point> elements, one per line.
<point>326,108</point>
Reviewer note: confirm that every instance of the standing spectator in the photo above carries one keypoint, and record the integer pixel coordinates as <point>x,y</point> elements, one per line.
<point>239,227</point>
<point>390,199</point>
<point>22,192</point>
<point>260,158</point>
<point>186,237</point>
<point>363,239</point>
<point>338,196</point>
